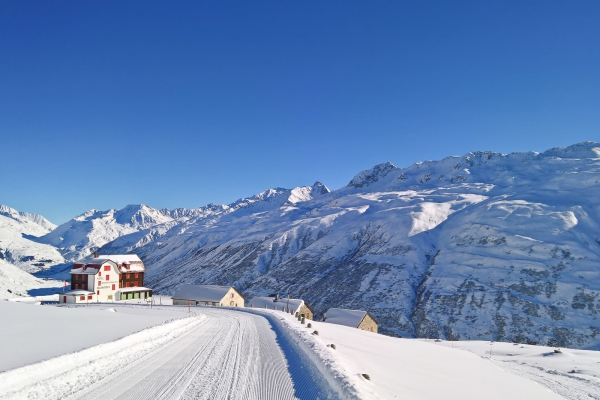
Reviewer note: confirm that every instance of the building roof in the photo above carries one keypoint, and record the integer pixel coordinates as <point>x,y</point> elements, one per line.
<point>270,302</point>
<point>134,262</point>
<point>202,292</point>
<point>342,316</point>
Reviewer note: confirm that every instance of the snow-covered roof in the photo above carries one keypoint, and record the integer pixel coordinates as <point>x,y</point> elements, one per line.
<point>201,292</point>
<point>341,316</point>
<point>134,289</point>
<point>270,302</point>
<point>136,264</point>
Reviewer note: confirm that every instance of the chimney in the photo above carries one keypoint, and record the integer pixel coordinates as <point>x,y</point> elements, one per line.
<point>95,253</point>
<point>324,315</point>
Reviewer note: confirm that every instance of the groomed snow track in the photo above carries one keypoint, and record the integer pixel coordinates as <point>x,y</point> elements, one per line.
<point>222,354</point>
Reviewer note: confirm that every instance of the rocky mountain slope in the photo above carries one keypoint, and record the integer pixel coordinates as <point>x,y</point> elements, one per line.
<point>487,245</point>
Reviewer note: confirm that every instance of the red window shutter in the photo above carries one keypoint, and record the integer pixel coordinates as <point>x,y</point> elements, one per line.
<point>127,284</point>
<point>81,297</point>
<point>107,277</point>
<point>97,292</point>
<point>89,297</point>
<point>107,267</point>
<point>135,284</point>
<point>137,275</point>
<point>113,286</point>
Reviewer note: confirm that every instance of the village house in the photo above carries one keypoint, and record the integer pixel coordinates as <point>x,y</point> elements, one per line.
<point>289,305</point>
<point>107,278</point>
<point>353,318</point>
<point>208,295</point>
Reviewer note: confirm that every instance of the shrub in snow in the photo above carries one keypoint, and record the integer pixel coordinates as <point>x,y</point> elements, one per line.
<point>332,346</point>
<point>302,320</point>
<point>366,376</point>
<point>316,333</point>
<point>309,325</point>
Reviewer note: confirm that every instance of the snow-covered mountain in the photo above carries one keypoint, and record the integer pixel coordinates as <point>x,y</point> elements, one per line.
<point>486,245</point>
<point>79,237</point>
<point>480,246</point>
<point>18,240</point>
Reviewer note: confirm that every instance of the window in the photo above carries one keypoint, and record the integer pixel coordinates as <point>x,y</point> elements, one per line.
<point>120,285</point>
<point>81,298</point>
<point>107,277</point>
<point>127,276</point>
<point>231,303</point>
<point>89,297</point>
<point>126,284</point>
<point>113,286</point>
<point>64,299</point>
<point>137,275</point>
<point>136,284</point>
<point>107,267</point>
<point>99,283</point>
<point>98,292</point>
<point>231,294</point>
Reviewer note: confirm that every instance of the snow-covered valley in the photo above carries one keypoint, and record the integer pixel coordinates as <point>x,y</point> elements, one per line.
<point>485,246</point>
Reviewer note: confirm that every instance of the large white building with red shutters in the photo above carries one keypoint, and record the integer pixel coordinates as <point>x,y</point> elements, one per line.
<point>107,278</point>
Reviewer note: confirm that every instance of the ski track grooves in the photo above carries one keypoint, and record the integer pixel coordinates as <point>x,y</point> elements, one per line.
<point>226,354</point>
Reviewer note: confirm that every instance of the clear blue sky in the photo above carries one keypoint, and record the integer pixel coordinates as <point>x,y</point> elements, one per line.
<point>178,104</point>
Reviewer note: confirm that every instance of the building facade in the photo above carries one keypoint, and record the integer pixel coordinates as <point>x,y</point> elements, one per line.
<point>107,278</point>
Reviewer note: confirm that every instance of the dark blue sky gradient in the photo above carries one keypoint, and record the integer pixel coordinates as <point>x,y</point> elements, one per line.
<point>106,103</point>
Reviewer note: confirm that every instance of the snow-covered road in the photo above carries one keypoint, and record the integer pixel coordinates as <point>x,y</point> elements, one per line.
<point>219,354</point>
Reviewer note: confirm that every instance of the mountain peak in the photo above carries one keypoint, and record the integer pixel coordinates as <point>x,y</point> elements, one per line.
<point>369,176</point>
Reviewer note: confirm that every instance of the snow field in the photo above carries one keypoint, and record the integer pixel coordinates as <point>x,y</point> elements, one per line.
<point>61,376</point>
<point>216,353</point>
<point>406,368</point>
<point>574,374</point>
<point>32,333</point>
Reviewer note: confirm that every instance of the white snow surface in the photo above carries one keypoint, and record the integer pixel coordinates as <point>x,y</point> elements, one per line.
<point>220,352</point>
<point>32,333</point>
<point>405,368</point>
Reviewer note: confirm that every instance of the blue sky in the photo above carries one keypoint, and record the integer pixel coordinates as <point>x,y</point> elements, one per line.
<point>178,104</point>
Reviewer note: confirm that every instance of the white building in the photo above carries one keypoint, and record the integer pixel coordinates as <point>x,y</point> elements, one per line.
<point>208,295</point>
<point>283,303</point>
<point>107,278</point>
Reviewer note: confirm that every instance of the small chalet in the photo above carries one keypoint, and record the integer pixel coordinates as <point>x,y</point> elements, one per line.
<point>106,279</point>
<point>208,295</point>
<point>353,318</point>
<point>289,305</point>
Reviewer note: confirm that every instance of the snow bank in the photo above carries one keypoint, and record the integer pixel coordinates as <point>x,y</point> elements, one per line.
<point>61,376</point>
<point>31,334</point>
